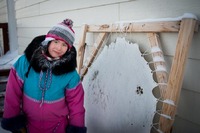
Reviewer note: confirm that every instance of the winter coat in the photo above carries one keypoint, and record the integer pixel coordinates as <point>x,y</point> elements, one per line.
<point>45,96</point>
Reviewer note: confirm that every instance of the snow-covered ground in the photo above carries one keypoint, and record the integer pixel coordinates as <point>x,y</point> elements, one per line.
<point>7,60</point>
<point>3,131</point>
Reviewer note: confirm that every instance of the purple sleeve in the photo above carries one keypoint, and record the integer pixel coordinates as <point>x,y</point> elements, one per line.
<point>75,101</point>
<point>13,95</point>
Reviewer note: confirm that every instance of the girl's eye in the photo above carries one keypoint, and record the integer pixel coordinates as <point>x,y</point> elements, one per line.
<point>64,44</point>
<point>55,41</point>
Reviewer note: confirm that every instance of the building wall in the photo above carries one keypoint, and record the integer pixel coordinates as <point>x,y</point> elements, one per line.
<point>35,17</point>
<point>3,11</point>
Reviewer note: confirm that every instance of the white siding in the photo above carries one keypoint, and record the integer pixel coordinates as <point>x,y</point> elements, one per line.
<point>3,11</point>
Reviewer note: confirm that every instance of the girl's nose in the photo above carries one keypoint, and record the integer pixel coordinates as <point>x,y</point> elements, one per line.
<point>59,46</point>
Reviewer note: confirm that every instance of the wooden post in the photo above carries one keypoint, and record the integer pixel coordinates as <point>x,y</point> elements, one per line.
<point>160,75</point>
<point>81,48</point>
<point>176,74</point>
<point>99,43</point>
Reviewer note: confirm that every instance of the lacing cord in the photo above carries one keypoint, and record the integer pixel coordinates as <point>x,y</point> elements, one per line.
<point>154,127</point>
<point>48,77</point>
<point>164,115</point>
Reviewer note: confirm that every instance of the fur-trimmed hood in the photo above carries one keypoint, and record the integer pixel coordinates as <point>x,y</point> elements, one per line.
<point>35,55</point>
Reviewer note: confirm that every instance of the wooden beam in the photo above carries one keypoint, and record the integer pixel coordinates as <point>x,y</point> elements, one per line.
<point>164,26</point>
<point>81,48</point>
<point>177,72</point>
<point>160,75</point>
<point>99,43</point>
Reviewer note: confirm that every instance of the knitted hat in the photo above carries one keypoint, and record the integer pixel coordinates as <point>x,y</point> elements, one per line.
<point>62,31</point>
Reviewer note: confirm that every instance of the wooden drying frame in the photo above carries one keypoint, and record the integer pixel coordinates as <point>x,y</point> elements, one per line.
<point>185,29</point>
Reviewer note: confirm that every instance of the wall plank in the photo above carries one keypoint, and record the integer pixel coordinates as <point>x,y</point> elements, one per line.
<point>191,75</point>
<point>28,12</point>
<point>19,4</point>
<point>3,3</point>
<point>87,16</point>
<point>184,126</point>
<point>3,18</point>
<point>157,9</point>
<point>189,107</point>
<point>63,5</point>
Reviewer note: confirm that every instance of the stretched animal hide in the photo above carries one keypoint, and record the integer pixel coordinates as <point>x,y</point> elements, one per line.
<point>118,91</point>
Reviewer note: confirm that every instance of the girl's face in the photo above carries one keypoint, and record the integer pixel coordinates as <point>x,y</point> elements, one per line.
<point>57,48</point>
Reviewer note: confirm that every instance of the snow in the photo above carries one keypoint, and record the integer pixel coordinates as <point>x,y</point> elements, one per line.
<point>189,15</point>
<point>168,101</point>
<point>3,131</point>
<point>166,116</point>
<point>7,60</point>
<point>155,49</point>
<point>160,68</point>
<point>159,131</point>
<point>158,59</point>
<point>185,15</point>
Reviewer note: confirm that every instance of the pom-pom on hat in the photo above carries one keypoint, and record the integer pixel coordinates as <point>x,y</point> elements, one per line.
<point>62,31</point>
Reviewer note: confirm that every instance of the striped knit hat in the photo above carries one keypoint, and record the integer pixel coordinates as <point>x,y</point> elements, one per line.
<point>62,31</point>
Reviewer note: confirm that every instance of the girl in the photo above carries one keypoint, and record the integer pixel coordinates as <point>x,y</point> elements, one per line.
<point>44,93</point>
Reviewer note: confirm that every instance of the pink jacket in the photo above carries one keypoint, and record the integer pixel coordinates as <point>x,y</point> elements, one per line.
<point>49,110</point>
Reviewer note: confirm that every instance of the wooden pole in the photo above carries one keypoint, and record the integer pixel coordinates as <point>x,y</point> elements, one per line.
<point>162,26</point>
<point>160,75</point>
<point>99,43</point>
<point>81,48</point>
<point>175,80</point>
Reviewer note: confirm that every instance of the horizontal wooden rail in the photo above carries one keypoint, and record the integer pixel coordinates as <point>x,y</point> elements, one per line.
<point>147,27</point>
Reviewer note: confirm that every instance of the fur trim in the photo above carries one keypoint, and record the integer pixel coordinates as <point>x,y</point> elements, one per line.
<point>13,124</point>
<point>75,129</point>
<point>39,62</point>
<point>35,43</point>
